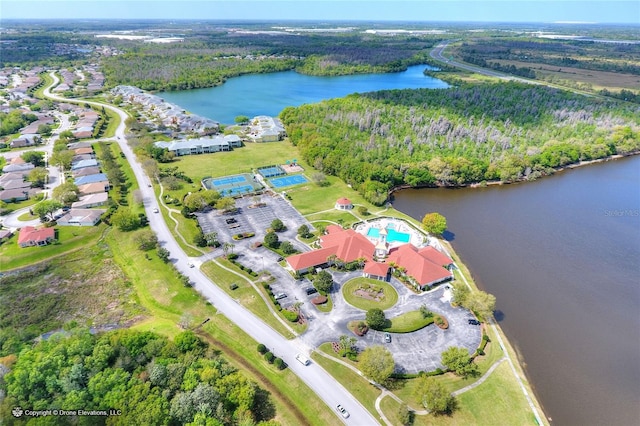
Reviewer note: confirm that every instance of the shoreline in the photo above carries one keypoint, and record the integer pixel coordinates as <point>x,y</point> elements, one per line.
<point>517,360</point>
<point>520,181</point>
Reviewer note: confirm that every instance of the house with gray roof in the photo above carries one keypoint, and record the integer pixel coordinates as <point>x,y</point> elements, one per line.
<point>81,217</point>
<point>84,163</point>
<point>91,200</point>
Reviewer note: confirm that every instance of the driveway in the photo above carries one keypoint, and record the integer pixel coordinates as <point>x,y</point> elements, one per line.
<point>412,352</point>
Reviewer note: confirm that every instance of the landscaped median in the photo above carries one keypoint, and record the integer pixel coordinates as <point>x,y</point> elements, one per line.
<point>366,293</point>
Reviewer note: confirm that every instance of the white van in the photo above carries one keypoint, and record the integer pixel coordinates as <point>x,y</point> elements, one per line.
<point>303,359</point>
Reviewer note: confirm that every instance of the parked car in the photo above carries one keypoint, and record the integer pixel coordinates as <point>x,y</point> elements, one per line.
<point>310,290</point>
<point>343,412</point>
<point>387,337</point>
<point>302,359</point>
<point>156,211</point>
<point>474,322</point>
<point>280,296</point>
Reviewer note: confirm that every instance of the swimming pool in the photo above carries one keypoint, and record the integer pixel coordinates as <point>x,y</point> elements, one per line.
<point>392,235</point>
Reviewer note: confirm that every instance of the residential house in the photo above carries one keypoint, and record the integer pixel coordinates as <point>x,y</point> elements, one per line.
<point>93,188</point>
<point>81,217</point>
<point>5,234</point>
<point>84,163</point>
<point>30,236</point>
<point>26,139</point>
<point>99,177</point>
<point>9,168</point>
<point>85,171</point>
<point>17,194</point>
<point>91,200</point>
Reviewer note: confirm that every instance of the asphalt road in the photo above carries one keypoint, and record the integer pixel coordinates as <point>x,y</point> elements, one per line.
<point>321,382</point>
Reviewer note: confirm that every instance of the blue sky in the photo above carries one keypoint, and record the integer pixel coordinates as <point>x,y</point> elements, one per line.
<point>599,11</point>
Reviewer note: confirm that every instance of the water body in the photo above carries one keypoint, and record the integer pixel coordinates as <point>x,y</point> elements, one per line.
<point>562,257</point>
<point>268,94</point>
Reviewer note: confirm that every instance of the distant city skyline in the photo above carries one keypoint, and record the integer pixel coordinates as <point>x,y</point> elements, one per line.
<point>534,11</point>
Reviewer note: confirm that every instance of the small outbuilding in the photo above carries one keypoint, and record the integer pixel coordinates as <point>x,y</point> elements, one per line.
<point>343,204</point>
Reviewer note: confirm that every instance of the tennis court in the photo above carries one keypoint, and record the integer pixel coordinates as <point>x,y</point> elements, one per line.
<point>228,180</point>
<point>271,171</point>
<point>288,181</point>
<point>233,185</point>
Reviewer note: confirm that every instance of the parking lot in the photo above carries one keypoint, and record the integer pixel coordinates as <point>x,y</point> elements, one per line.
<point>255,215</point>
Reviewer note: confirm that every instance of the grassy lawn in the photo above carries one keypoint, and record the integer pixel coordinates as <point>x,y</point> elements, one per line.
<point>241,160</point>
<point>408,322</point>
<point>11,207</point>
<point>356,384</point>
<point>388,299</point>
<point>332,217</point>
<point>325,307</point>
<point>27,216</point>
<point>166,300</point>
<point>71,287</point>
<point>488,404</point>
<point>245,294</point>
<point>311,198</point>
<point>70,238</point>
<point>390,409</point>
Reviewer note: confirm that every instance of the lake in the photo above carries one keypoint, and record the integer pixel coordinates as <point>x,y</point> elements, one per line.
<point>268,94</point>
<point>562,257</point>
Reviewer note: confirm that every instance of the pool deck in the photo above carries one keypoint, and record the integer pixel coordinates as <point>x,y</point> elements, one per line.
<point>417,238</point>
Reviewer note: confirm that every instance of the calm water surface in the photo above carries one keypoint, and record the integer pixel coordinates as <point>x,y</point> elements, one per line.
<point>268,94</point>
<point>562,256</point>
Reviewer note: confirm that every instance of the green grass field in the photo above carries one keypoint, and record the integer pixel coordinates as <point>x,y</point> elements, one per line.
<point>389,298</point>
<point>408,322</point>
<point>245,294</point>
<point>241,160</point>
<point>70,238</point>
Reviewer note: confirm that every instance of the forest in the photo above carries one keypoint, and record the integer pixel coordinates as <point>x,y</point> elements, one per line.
<point>458,136</point>
<point>209,58</point>
<point>147,378</point>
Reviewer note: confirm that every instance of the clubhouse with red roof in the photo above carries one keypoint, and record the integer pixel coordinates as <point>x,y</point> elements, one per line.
<point>422,267</point>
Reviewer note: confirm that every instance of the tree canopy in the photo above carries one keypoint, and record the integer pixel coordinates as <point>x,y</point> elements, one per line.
<point>457,136</point>
<point>152,380</point>
<point>458,360</point>
<point>323,282</point>
<point>376,362</point>
<point>434,396</point>
<point>376,319</point>
<point>434,223</point>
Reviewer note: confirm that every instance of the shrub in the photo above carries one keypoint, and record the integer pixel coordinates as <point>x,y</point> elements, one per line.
<point>233,286</point>
<point>278,362</point>
<point>232,256</point>
<point>290,315</point>
<point>262,348</point>
<point>269,357</point>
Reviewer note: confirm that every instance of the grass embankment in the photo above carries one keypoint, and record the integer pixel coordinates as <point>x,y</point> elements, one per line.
<point>409,322</point>
<point>388,298</point>
<point>168,302</point>
<point>356,384</point>
<point>84,286</point>
<point>245,294</point>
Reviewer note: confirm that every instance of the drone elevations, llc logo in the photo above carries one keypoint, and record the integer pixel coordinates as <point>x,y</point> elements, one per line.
<point>17,412</point>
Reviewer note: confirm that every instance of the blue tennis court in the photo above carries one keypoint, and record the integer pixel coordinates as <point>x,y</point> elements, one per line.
<point>228,180</point>
<point>237,190</point>
<point>287,181</point>
<point>233,185</point>
<point>271,171</point>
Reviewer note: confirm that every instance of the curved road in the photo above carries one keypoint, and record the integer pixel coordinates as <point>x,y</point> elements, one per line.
<point>321,382</point>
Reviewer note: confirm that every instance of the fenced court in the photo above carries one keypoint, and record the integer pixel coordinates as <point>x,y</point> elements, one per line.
<point>271,171</point>
<point>232,186</point>
<point>288,181</point>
